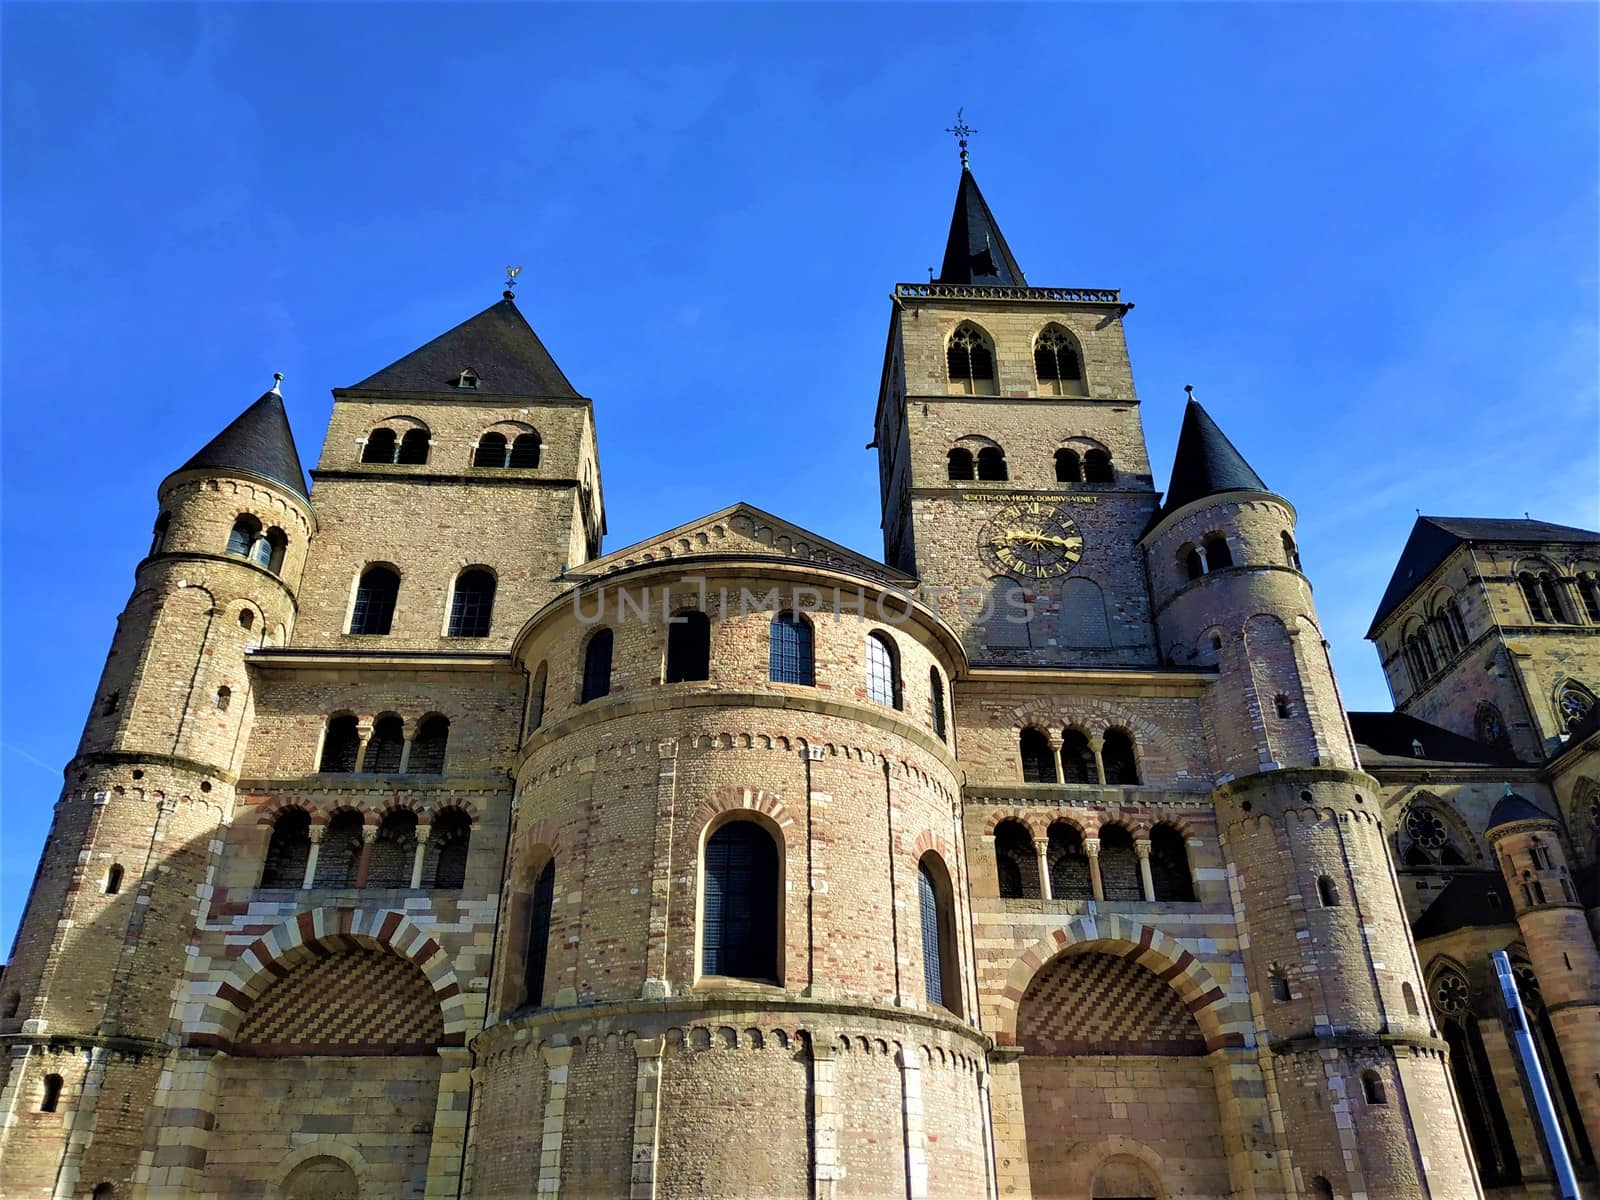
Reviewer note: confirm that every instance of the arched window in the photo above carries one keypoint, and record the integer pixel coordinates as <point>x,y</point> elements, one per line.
<point>385,746</point>
<point>376,595</point>
<point>491,451</point>
<point>224,698</point>
<point>243,535</point>
<point>413,448</point>
<point>936,703</point>
<point>50,1097</point>
<point>104,1191</point>
<point>940,980</point>
<point>1038,761</point>
<point>1083,622</point>
<point>596,667</point>
<point>380,447</point>
<point>1069,865</point>
<point>1194,565</point>
<point>340,744</point>
<point>472,604</point>
<point>1097,467</point>
<point>288,850</point>
<point>444,864</point>
<point>536,952</point>
<point>1328,892</point>
<point>1281,705</point>
<point>1218,555</point>
<point>1008,624</point>
<point>114,879</point>
<point>688,647</point>
<point>1425,839</point>
<point>536,694</point>
<point>790,650</point>
<point>524,451</point>
<point>970,362</point>
<point>1489,725</point>
<point>1169,866</point>
<point>1119,865</point>
<point>1588,588</point>
<point>883,671</point>
<point>1069,468</point>
<point>1015,861</point>
<point>740,925</point>
<point>992,463</point>
<point>158,536</point>
<point>340,851</point>
<point>1116,755</point>
<point>960,463</point>
<point>1291,553</point>
<point>1553,600</point>
<point>1372,1088</point>
<point>394,851</point>
<point>13,1005</point>
<point>268,549</point>
<point>429,745</point>
<point>1321,1189</point>
<point>1057,363</point>
<point>1077,757</point>
<point>1278,984</point>
<point>1573,702</point>
<point>1409,995</point>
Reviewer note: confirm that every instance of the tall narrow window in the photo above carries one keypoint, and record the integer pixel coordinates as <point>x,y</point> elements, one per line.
<point>376,595</point>
<point>596,667</point>
<point>50,1098</point>
<point>385,746</point>
<point>883,671</point>
<point>380,447</point>
<point>268,549</point>
<point>524,451</point>
<point>688,647</point>
<point>1218,554</point>
<point>992,464</point>
<point>1057,365</point>
<point>1119,864</point>
<point>535,954</point>
<point>491,451</point>
<point>1097,467</point>
<point>472,605</point>
<point>1551,587</point>
<point>1077,756</point>
<point>1169,865</point>
<point>413,448</point>
<point>1068,863</point>
<point>970,362</point>
<point>1116,755</point>
<point>114,879</point>
<point>960,463</point>
<point>243,535</point>
<point>1588,588</point>
<point>1015,862</point>
<point>288,850</point>
<point>1278,982</point>
<point>158,536</point>
<point>1328,892</point>
<point>429,745</point>
<point>1291,552</point>
<point>1372,1087</point>
<point>536,695</point>
<point>940,983</point>
<point>936,703</point>
<point>740,927</point>
<point>340,745</point>
<point>445,863</point>
<point>789,650</point>
<point>1069,467</point>
<point>224,698</point>
<point>1038,761</point>
<point>1194,564</point>
<point>1535,598</point>
<point>1282,707</point>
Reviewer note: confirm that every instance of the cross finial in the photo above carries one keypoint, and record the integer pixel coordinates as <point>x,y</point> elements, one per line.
<point>962,131</point>
<point>277,381</point>
<point>511,282</point>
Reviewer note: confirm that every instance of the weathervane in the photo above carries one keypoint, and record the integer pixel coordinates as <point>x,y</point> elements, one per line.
<point>511,282</point>
<point>962,132</point>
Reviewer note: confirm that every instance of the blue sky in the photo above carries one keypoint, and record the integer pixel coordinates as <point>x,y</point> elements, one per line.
<point>1365,233</point>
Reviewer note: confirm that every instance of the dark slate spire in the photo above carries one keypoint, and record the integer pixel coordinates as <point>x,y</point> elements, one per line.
<point>976,251</point>
<point>258,441</point>
<point>498,346</point>
<point>1206,463</point>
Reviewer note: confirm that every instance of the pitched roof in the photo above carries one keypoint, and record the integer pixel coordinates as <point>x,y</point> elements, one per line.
<point>1433,538</point>
<point>1206,463</point>
<point>1385,739</point>
<point>258,440</point>
<point>976,251</point>
<point>1471,898</point>
<point>498,345</point>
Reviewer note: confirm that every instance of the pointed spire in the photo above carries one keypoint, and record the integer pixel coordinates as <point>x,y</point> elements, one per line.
<point>257,442</point>
<point>1206,463</point>
<point>498,347</point>
<point>976,251</point>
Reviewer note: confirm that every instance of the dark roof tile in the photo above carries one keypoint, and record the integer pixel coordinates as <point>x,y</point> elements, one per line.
<point>498,345</point>
<point>1385,739</point>
<point>258,440</point>
<point>976,251</point>
<point>1206,462</point>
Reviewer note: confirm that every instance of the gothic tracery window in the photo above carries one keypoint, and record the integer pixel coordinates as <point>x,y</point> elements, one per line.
<point>1057,363</point>
<point>969,359</point>
<point>1573,702</point>
<point>1490,726</point>
<point>1426,839</point>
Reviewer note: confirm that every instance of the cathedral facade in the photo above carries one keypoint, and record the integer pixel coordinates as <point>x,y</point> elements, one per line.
<point>456,857</point>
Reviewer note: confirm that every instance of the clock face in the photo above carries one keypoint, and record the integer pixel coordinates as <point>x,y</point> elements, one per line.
<point>1034,540</point>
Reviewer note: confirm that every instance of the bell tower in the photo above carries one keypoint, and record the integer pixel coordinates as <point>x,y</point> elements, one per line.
<point>1012,463</point>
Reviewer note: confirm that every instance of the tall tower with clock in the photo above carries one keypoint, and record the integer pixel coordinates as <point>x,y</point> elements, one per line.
<point>1014,475</point>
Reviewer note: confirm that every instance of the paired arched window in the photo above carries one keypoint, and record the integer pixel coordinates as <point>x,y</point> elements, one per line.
<point>386,746</point>
<point>883,671</point>
<point>1119,865</point>
<point>1077,757</point>
<point>536,951</point>
<point>536,694</point>
<point>394,850</point>
<point>936,703</point>
<point>264,547</point>
<point>340,852</point>
<point>596,667</point>
<point>1058,364</point>
<point>472,603</point>
<point>688,647</point>
<point>1068,863</point>
<point>739,929</point>
<point>341,742</point>
<point>960,464</point>
<point>1542,591</point>
<point>940,977</point>
<point>429,745</point>
<point>1038,760</point>
<point>1069,467</point>
<point>490,451</point>
<point>1169,866</point>
<point>288,850</point>
<point>494,450</point>
<point>992,464</point>
<point>969,360</point>
<point>413,448</point>
<point>1016,864</point>
<point>525,449</point>
<point>1097,467</point>
<point>376,595</point>
<point>444,863</point>
<point>790,650</point>
<point>1218,553</point>
<point>381,446</point>
<point>1117,757</point>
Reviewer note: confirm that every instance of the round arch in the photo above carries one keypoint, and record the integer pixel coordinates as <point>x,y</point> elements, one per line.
<point>322,1147</point>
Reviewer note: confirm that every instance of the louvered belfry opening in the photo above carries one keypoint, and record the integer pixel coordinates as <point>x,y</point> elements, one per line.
<point>741,903</point>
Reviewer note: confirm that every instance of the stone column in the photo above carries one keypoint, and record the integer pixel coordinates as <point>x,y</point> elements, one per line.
<point>1097,744</point>
<point>316,833</point>
<point>558,1062</point>
<point>363,737</point>
<point>1091,847</point>
<point>916,1137</point>
<point>1042,849</point>
<point>646,1118</point>
<point>656,986</point>
<point>422,849</point>
<point>369,834</point>
<point>825,1169</point>
<point>1146,883</point>
<point>405,752</point>
<point>1053,738</point>
<point>449,1123</point>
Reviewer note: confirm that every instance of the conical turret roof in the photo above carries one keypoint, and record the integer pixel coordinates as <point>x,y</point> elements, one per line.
<point>976,251</point>
<point>257,441</point>
<point>498,346</point>
<point>1207,463</point>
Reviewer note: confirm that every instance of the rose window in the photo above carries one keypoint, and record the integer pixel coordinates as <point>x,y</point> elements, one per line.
<point>1425,829</point>
<point>1450,994</point>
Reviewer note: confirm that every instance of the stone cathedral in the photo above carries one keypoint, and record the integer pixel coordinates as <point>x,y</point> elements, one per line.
<point>458,857</point>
